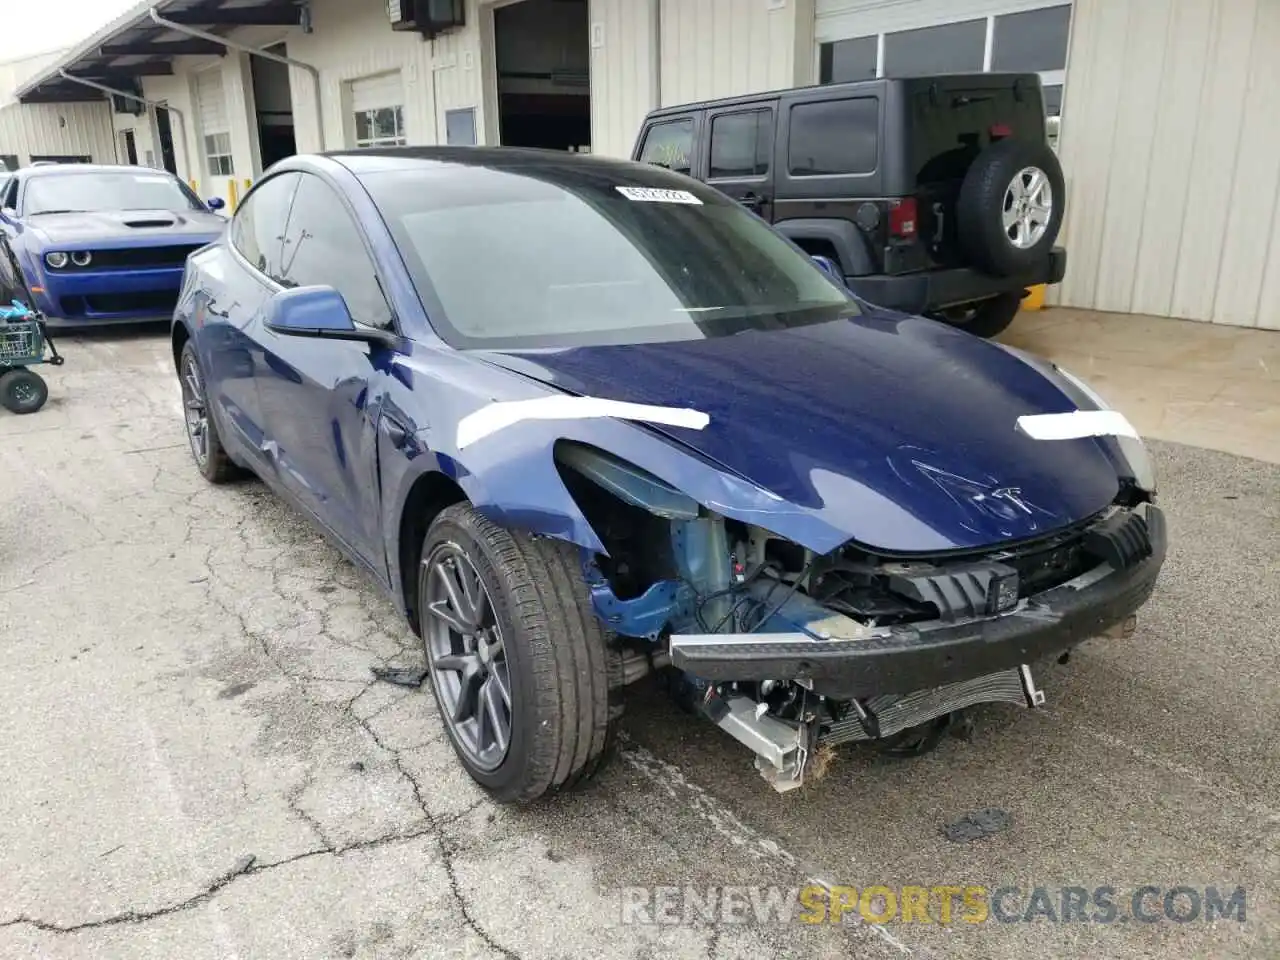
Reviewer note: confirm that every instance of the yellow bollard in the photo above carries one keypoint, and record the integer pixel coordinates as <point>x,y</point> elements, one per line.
<point>233,195</point>
<point>194,184</point>
<point>1034,300</point>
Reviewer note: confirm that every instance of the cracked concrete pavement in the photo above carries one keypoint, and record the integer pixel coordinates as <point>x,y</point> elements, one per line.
<point>197,763</point>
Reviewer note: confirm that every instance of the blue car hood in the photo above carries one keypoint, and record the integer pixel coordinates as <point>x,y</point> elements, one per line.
<point>852,417</point>
<point>140,226</point>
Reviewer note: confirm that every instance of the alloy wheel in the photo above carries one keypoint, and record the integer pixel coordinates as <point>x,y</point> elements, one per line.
<point>467,656</point>
<point>195,410</point>
<point>1028,207</point>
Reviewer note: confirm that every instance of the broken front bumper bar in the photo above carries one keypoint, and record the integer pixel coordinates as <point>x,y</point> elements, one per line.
<point>916,656</point>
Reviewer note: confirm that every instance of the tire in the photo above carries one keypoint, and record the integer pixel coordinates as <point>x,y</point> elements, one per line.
<point>987,318</point>
<point>991,188</point>
<point>211,458</point>
<point>562,676</point>
<point>22,391</point>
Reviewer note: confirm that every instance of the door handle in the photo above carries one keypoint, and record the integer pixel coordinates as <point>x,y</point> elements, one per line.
<point>750,201</point>
<point>396,432</point>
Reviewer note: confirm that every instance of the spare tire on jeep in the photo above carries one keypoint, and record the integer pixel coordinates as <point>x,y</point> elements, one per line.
<point>1010,207</point>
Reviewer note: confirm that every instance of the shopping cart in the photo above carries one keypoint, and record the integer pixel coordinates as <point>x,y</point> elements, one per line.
<point>23,344</point>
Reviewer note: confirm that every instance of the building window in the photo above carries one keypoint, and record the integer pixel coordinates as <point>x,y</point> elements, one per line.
<point>217,153</point>
<point>741,144</point>
<point>1034,41</point>
<point>848,60</point>
<point>834,137</point>
<point>947,48</point>
<point>380,127</point>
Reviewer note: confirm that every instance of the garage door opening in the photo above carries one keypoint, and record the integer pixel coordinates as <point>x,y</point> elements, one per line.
<point>542,54</point>
<point>273,105</point>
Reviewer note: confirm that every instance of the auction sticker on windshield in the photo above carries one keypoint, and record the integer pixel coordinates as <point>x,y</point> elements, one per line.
<point>656,195</point>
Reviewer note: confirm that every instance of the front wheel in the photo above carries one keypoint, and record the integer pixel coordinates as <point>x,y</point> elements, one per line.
<point>522,672</point>
<point>22,390</point>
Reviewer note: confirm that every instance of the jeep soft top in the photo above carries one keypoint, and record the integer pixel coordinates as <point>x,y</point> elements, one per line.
<point>936,195</point>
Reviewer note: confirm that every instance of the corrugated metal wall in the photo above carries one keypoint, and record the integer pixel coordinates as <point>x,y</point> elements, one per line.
<point>719,48</point>
<point>1170,143</point>
<point>623,80</point>
<point>66,129</point>
<point>354,40</point>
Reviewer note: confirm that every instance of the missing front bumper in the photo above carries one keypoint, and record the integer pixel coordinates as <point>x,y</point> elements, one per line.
<point>904,659</point>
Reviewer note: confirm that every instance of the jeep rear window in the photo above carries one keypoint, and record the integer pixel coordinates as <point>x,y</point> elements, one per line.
<point>834,137</point>
<point>950,126</point>
<point>669,144</point>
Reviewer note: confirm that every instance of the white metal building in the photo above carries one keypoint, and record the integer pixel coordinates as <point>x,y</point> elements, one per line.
<point>1168,130</point>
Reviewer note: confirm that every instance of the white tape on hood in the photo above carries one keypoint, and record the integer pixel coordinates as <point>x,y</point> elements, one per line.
<point>497,416</point>
<point>1077,424</point>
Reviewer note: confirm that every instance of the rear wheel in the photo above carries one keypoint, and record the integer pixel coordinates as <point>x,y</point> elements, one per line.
<point>22,390</point>
<point>521,670</point>
<point>985,318</point>
<point>202,433</point>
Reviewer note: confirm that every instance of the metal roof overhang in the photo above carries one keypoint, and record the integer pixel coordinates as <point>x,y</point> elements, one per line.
<point>132,46</point>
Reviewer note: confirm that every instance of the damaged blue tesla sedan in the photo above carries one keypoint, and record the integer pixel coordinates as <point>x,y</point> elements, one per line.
<point>585,420</point>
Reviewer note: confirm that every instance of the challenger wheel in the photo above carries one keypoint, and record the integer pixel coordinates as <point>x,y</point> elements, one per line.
<point>521,670</point>
<point>22,390</point>
<point>1011,206</point>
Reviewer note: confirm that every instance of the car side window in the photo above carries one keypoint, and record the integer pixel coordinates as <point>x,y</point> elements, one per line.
<point>741,144</point>
<point>323,245</point>
<point>834,137</point>
<point>257,229</point>
<point>669,144</point>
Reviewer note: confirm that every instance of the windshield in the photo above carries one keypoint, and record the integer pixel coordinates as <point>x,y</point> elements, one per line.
<point>572,255</point>
<point>84,192</point>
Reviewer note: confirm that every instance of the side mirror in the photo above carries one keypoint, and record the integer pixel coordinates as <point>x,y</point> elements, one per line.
<point>215,203</point>
<point>321,313</point>
<point>829,267</point>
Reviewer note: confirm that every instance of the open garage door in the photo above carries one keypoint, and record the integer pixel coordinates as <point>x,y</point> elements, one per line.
<point>542,56</point>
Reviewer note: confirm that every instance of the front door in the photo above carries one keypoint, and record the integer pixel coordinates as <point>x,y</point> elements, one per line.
<point>321,398</point>
<point>740,153</point>
<point>227,308</point>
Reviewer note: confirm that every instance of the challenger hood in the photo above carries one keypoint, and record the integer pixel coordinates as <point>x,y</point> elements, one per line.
<point>125,225</point>
<point>902,431</point>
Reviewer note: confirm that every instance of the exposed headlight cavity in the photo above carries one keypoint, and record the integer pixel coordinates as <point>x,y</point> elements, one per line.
<point>57,259</point>
<point>1134,450</point>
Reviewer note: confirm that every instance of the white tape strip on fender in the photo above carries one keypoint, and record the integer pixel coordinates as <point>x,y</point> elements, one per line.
<point>497,416</point>
<point>1077,424</point>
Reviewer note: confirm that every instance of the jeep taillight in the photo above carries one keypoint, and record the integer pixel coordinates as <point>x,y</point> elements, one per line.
<point>902,219</point>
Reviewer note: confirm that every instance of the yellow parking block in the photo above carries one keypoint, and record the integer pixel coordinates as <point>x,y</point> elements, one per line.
<point>1034,300</point>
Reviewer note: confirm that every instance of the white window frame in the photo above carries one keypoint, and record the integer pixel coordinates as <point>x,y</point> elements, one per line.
<point>218,158</point>
<point>399,140</point>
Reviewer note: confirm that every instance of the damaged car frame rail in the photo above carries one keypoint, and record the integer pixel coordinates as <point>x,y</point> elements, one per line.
<point>788,652</point>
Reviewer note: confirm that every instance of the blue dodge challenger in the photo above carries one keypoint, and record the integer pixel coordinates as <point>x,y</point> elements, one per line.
<point>91,244</point>
<point>587,420</point>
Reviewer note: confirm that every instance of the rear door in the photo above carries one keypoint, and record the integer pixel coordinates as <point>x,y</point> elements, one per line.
<point>738,160</point>
<point>946,122</point>
<point>230,287</point>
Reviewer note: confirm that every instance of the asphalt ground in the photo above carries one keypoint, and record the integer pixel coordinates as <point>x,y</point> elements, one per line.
<point>195,761</point>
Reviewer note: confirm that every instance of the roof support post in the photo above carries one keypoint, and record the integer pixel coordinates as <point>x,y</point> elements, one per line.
<point>252,51</point>
<point>152,105</point>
